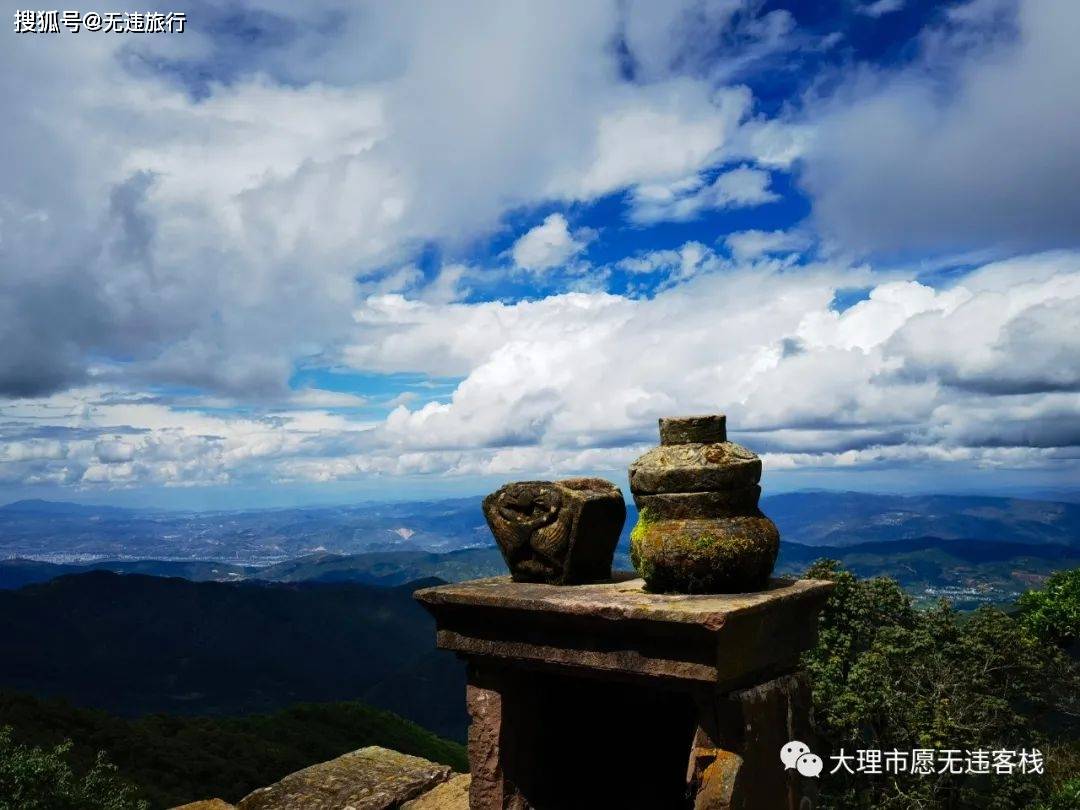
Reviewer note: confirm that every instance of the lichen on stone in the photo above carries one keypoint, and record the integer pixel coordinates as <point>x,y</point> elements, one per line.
<point>700,529</point>
<point>637,534</point>
<point>713,555</point>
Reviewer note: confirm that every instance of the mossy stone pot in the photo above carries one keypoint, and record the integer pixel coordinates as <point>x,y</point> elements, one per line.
<point>704,555</point>
<point>699,528</point>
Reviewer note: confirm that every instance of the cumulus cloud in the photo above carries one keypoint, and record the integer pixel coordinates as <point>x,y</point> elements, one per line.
<point>93,437</point>
<point>978,373</point>
<point>970,146</point>
<point>550,244</point>
<point>211,236</point>
<point>788,368</point>
<point>161,233</point>
<point>1016,340</point>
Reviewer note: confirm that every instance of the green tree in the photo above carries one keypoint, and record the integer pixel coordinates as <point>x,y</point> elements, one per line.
<point>885,675</point>
<point>175,759</point>
<point>42,779</point>
<point>1066,797</point>
<point>1053,612</point>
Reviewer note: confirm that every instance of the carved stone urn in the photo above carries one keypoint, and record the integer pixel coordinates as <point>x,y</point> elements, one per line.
<point>557,532</point>
<point>699,528</point>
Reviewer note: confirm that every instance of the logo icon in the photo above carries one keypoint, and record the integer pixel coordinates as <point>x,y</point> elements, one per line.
<point>797,755</point>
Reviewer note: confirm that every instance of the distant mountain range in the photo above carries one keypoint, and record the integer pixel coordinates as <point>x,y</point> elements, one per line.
<point>16,572</point>
<point>849,518</point>
<point>967,571</point>
<point>969,548</point>
<point>63,532</point>
<point>380,568</point>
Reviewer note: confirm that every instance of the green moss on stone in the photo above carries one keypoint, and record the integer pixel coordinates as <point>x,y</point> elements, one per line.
<point>704,555</point>
<point>641,528</point>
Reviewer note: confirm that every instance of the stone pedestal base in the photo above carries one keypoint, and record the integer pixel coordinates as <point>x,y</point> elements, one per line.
<point>734,761</point>
<point>605,696</point>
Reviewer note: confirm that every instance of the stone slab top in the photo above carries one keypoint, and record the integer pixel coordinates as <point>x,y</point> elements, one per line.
<point>623,598</point>
<point>617,627</point>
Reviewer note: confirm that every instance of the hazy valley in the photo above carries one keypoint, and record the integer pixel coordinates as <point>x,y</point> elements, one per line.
<point>969,548</point>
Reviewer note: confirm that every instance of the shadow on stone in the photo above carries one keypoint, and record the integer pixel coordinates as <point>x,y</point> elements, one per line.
<point>573,743</point>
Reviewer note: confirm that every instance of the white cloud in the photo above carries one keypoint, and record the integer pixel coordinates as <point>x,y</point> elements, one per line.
<point>448,285</point>
<point>675,266</point>
<point>114,452</point>
<point>550,244</point>
<point>879,8</point>
<point>745,245</point>
<point>682,128</point>
<point>112,440</point>
<point>762,344</point>
<point>666,38</point>
<point>971,146</point>
<point>319,398</point>
<point>772,143</point>
<point>213,241</point>
<point>1014,340</point>
<point>978,375</point>
<point>687,198</point>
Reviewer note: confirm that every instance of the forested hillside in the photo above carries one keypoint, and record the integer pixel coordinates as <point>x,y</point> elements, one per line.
<point>172,760</point>
<point>133,644</point>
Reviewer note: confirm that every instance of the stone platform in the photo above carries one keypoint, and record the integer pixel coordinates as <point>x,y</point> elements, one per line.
<point>605,695</point>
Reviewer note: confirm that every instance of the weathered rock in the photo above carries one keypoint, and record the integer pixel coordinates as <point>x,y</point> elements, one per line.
<point>705,555</point>
<point>606,695</point>
<point>694,468</point>
<point>558,532</point>
<point>206,804</point>
<point>452,795</point>
<point>699,528</point>
<point>751,725</point>
<point>710,429</point>
<point>488,787</point>
<point>619,626</point>
<point>371,778</point>
<point>715,779</point>
<point>725,503</point>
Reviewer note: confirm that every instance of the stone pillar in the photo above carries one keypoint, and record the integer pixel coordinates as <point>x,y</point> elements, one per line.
<point>733,762</point>
<point>484,702</point>
<point>604,695</point>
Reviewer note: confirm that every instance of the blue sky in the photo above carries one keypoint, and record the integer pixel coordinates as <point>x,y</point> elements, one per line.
<point>352,250</point>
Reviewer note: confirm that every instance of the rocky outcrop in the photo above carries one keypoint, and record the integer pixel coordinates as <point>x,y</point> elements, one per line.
<point>371,778</point>
<point>452,795</point>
